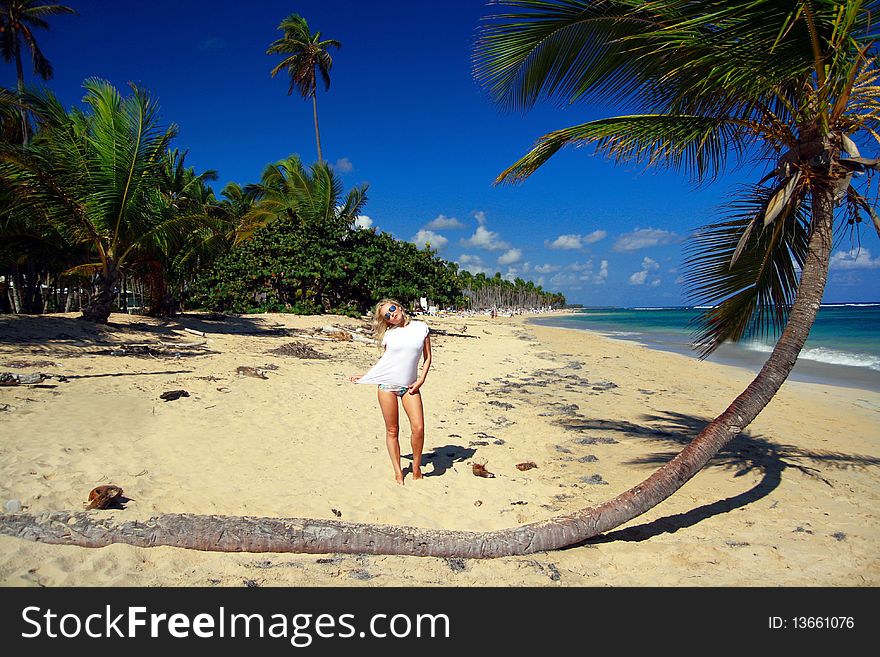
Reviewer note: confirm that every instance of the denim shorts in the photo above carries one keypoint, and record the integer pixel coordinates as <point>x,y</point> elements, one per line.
<point>400,391</point>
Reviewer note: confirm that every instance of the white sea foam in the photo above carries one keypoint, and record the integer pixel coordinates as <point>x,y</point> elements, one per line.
<point>849,305</point>
<point>830,356</point>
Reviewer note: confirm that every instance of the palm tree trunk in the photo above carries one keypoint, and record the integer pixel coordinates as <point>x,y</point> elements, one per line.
<point>236,534</point>
<point>317,133</point>
<point>25,128</point>
<point>98,307</point>
<point>727,426</point>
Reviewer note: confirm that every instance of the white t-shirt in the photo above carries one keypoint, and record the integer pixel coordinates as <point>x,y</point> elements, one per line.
<point>399,365</point>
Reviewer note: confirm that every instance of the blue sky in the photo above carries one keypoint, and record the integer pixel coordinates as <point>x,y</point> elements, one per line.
<point>404,115</point>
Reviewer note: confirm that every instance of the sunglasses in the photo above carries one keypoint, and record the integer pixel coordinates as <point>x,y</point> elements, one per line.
<point>391,309</point>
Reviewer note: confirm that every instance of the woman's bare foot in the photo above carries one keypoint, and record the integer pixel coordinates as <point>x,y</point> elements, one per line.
<point>399,478</point>
<point>416,475</point>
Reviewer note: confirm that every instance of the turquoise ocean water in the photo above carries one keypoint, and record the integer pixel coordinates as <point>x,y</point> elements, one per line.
<point>843,348</point>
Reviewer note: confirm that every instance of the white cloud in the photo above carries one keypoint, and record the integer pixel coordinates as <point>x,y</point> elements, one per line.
<point>571,241</point>
<point>854,259</point>
<point>546,269</point>
<point>576,274</point>
<point>566,242</point>
<point>643,238</point>
<point>423,237</point>
<point>343,165</point>
<point>649,265</point>
<point>484,238</point>
<point>595,236</point>
<point>471,263</point>
<point>443,222</point>
<point>480,216</point>
<point>363,221</point>
<point>509,257</point>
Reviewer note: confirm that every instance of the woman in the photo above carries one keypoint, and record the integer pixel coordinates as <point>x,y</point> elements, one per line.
<point>403,343</point>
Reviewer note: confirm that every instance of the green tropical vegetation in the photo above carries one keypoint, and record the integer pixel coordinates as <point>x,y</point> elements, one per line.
<point>99,212</point>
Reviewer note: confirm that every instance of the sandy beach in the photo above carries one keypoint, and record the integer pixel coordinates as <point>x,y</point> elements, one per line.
<point>792,502</point>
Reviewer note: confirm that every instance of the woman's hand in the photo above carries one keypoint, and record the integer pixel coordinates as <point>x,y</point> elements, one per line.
<point>354,378</point>
<point>414,388</point>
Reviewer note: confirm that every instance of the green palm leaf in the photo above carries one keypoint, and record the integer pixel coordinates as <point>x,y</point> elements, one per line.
<point>752,294</point>
<point>700,145</point>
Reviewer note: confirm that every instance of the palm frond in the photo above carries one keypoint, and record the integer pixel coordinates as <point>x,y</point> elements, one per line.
<point>753,294</point>
<point>699,145</point>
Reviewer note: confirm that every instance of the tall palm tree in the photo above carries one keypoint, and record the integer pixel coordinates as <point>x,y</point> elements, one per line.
<point>793,82</point>
<point>93,176</point>
<point>306,56</point>
<point>17,20</point>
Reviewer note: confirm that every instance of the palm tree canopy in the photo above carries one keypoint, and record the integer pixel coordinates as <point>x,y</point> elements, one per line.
<point>91,175</point>
<point>305,54</point>
<point>314,196</point>
<point>17,18</point>
<point>789,85</point>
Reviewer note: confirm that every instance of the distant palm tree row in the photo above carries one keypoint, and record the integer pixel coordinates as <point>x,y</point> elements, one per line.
<point>483,292</point>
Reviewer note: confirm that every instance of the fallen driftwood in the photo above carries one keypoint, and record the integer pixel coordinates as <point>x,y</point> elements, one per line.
<point>298,350</point>
<point>13,379</point>
<point>159,349</point>
<point>452,335</point>
<point>184,345</point>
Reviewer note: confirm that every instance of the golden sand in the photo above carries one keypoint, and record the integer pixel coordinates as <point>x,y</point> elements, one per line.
<point>792,502</point>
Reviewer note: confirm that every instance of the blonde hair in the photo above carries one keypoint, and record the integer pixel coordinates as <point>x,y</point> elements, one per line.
<point>380,324</point>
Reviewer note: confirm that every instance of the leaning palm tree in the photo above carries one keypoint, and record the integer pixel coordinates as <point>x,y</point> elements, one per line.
<point>17,18</point>
<point>92,176</point>
<point>306,56</point>
<point>792,82</point>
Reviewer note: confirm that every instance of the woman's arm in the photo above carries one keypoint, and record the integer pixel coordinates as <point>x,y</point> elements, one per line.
<point>426,365</point>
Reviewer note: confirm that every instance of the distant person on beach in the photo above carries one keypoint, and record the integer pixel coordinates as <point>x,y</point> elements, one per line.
<point>403,342</point>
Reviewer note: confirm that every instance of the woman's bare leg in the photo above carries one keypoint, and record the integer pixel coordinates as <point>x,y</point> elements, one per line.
<point>412,404</point>
<point>388,404</point>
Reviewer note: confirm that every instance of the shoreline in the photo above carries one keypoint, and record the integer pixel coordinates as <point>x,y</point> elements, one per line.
<point>792,502</point>
<point>805,371</point>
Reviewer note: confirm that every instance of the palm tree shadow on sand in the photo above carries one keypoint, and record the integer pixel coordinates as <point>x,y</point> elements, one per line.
<point>748,453</point>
